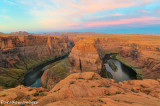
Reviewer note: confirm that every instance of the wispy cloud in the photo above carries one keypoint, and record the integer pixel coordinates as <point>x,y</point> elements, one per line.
<point>4,10</point>
<point>11,2</point>
<point>63,13</point>
<point>140,21</point>
<point>78,14</point>
<point>146,20</point>
<point>116,14</point>
<point>5,17</point>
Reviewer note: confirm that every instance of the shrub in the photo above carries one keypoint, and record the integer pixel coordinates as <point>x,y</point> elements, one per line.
<point>54,90</point>
<point>30,89</point>
<point>107,86</point>
<point>90,79</point>
<point>34,99</point>
<point>28,97</point>
<point>117,92</point>
<point>80,78</point>
<point>132,90</point>
<point>41,94</point>
<point>100,100</point>
<point>116,100</point>
<point>108,94</point>
<point>92,86</point>
<point>4,95</point>
<point>158,49</point>
<point>100,86</point>
<point>36,94</point>
<point>71,82</point>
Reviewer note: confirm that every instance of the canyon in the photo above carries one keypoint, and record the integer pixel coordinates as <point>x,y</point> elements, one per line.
<point>21,54</point>
<point>74,68</point>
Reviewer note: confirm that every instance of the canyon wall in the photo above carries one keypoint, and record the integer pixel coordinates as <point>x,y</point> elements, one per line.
<point>140,52</point>
<point>21,53</point>
<point>15,48</point>
<point>85,57</point>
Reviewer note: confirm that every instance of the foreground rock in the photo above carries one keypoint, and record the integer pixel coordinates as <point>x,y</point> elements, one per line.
<point>90,89</point>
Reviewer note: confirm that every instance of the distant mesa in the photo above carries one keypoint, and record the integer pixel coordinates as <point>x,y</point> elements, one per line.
<point>58,33</point>
<point>1,33</point>
<point>19,33</point>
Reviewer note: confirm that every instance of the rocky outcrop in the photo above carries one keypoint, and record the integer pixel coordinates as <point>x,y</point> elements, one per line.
<point>90,89</point>
<point>56,73</point>
<point>141,54</point>
<point>89,86</point>
<point>20,47</point>
<point>28,51</point>
<point>85,57</point>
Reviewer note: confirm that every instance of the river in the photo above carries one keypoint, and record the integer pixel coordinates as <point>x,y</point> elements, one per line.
<point>123,72</point>
<point>33,78</point>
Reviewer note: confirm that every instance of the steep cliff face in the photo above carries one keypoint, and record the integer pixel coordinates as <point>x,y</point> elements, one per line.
<point>85,57</point>
<point>56,72</point>
<point>14,48</point>
<point>24,52</point>
<point>141,54</point>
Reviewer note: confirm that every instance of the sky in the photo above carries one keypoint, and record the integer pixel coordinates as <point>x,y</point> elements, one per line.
<point>102,16</point>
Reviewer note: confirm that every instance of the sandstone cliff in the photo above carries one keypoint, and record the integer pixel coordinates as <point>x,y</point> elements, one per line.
<point>19,54</point>
<point>56,73</point>
<point>141,52</point>
<point>85,57</point>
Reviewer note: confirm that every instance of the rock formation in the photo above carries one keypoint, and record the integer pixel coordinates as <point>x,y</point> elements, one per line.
<point>19,33</point>
<point>19,54</point>
<point>24,52</point>
<point>88,54</point>
<point>90,89</point>
<point>56,73</point>
<point>85,57</point>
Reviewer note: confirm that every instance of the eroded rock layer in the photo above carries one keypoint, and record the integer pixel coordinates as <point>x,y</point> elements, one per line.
<point>141,52</point>
<point>22,53</point>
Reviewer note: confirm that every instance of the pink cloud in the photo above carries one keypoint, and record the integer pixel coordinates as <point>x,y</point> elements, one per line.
<point>62,14</point>
<point>140,20</point>
<point>143,11</point>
